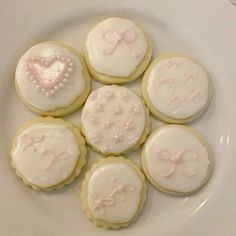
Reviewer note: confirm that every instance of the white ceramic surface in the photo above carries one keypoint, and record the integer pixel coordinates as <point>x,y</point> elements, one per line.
<point>205,30</point>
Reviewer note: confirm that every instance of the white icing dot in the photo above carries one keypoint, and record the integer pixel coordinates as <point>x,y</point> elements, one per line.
<point>93,96</point>
<point>70,70</point>
<point>117,137</point>
<point>105,149</point>
<point>96,137</point>
<point>52,91</point>
<point>99,108</point>
<point>61,85</point>
<point>93,120</point>
<point>108,123</point>
<point>67,75</point>
<point>64,80</point>
<point>56,88</point>
<point>128,124</point>
<point>108,95</point>
<point>132,140</point>
<point>135,110</point>
<point>117,110</point>
<point>47,94</point>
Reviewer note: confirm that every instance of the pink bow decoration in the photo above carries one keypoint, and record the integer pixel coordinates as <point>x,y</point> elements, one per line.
<point>177,158</point>
<point>52,158</point>
<point>31,141</point>
<point>115,38</point>
<point>99,203</point>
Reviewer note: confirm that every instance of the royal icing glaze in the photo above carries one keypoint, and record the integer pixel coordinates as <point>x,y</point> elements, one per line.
<point>114,192</point>
<point>46,154</point>
<point>116,47</point>
<point>178,87</point>
<point>176,159</point>
<point>49,76</point>
<point>119,125</point>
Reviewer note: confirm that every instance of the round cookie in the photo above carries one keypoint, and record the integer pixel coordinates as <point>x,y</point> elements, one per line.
<point>176,160</point>
<point>117,51</point>
<point>114,120</point>
<point>48,153</point>
<point>52,79</point>
<point>176,89</point>
<point>113,192</point>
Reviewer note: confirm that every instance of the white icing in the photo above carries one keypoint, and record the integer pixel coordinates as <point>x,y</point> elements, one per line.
<point>127,54</point>
<point>114,192</point>
<point>178,87</point>
<point>114,126</point>
<point>65,93</point>
<point>183,174</point>
<point>46,154</point>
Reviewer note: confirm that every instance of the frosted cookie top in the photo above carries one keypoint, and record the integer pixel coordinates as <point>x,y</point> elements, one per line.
<point>49,76</point>
<point>45,154</point>
<point>116,47</point>
<point>177,87</point>
<point>114,192</point>
<point>113,119</point>
<point>176,159</point>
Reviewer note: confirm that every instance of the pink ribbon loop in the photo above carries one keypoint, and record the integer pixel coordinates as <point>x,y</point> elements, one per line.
<point>177,158</point>
<point>115,38</point>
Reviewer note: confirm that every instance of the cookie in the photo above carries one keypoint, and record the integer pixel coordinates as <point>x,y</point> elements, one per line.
<point>48,153</point>
<point>117,51</point>
<point>176,89</point>
<point>114,120</point>
<point>176,160</point>
<point>52,79</point>
<point>113,192</point>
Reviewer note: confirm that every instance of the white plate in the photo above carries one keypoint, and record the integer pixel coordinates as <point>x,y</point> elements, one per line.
<point>206,30</point>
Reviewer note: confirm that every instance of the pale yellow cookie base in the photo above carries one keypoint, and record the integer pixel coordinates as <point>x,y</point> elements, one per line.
<point>84,190</point>
<point>77,103</point>
<point>142,139</point>
<point>155,112</point>
<point>173,192</point>
<point>81,144</point>
<point>107,79</point>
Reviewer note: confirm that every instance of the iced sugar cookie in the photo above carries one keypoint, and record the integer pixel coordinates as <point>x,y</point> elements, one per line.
<point>176,160</point>
<point>52,79</point>
<point>48,153</point>
<point>113,192</point>
<point>114,120</point>
<point>176,89</point>
<point>117,51</point>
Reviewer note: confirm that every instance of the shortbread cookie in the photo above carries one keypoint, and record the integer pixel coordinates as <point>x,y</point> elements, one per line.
<point>114,120</point>
<point>52,79</point>
<point>48,153</point>
<point>117,51</point>
<point>176,88</point>
<point>113,192</point>
<point>176,160</point>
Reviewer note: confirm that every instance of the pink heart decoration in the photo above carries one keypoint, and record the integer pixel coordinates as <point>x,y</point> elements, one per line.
<point>49,74</point>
